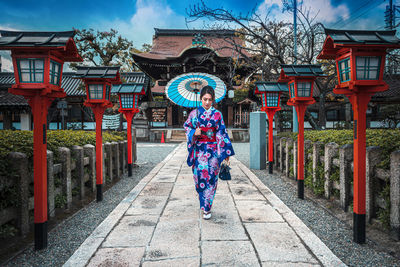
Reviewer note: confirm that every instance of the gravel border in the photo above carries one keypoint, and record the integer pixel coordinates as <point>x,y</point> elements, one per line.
<point>65,238</point>
<point>336,234</point>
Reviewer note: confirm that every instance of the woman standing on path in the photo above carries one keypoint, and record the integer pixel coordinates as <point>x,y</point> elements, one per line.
<point>208,145</point>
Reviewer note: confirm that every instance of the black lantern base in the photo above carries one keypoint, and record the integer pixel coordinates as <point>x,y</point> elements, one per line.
<point>130,169</point>
<point>40,235</point>
<point>99,195</point>
<point>359,228</point>
<point>300,189</point>
<point>270,167</point>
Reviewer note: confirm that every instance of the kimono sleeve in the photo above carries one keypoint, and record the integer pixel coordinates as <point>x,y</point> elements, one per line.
<point>190,128</point>
<point>224,145</point>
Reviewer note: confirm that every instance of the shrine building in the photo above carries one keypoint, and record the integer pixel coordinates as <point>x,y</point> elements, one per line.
<point>177,51</point>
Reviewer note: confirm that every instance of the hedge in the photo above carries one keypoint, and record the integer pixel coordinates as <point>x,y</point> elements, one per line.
<point>22,141</point>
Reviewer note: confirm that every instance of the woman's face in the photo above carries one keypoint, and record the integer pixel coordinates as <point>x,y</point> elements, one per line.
<point>206,101</point>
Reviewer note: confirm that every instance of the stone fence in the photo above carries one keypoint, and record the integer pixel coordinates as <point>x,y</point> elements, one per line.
<point>71,176</point>
<point>328,171</point>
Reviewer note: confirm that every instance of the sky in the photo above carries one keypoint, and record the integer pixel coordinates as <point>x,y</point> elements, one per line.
<point>136,19</point>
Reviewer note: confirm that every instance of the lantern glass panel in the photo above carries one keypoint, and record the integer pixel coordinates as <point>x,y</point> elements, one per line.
<point>107,92</point>
<point>303,89</point>
<point>263,100</point>
<point>272,99</point>
<point>292,95</point>
<point>344,70</point>
<point>54,71</point>
<point>31,70</point>
<point>136,101</point>
<point>368,68</point>
<point>95,91</point>
<point>126,100</point>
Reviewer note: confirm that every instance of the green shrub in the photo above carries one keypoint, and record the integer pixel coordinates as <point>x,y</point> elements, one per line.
<point>22,141</point>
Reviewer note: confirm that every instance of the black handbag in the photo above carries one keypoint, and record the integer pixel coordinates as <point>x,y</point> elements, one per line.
<point>224,173</point>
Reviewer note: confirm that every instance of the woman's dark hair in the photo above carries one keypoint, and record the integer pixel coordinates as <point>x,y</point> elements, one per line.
<point>207,90</point>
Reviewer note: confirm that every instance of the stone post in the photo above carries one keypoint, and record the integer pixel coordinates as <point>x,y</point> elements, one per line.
<point>115,156</point>
<point>258,140</point>
<point>372,158</point>
<point>276,151</point>
<point>77,152</point>
<point>105,165</point>
<point>19,164</point>
<point>307,146</point>
<point>134,148</point>
<point>289,142</point>
<point>395,195</point>
<point>50,184</point>
<point>65,160</point>
<point>317,146</point>
<point>346,175</point>
<point>295,151</point>
<point>122,156</point>
<point>90,152</point>
<point>109,162</point>
<point>330,152</point>
<point>282,146</point>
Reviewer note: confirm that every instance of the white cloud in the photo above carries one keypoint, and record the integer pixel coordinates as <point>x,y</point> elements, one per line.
<point>323,10</point>
<point>149,14</point>
<point>6,63</point>
<point>7,28</point>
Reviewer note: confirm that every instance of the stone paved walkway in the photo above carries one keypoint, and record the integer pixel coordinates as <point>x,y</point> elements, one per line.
<point>159,224</point>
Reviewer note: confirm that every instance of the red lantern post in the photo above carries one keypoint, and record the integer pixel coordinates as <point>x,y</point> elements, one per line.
<point>360,61</point>
<point>38,58</point>
<point>128,101</point>
<point>270,96</point>
<point>98,81</point>
<point>300,80</point>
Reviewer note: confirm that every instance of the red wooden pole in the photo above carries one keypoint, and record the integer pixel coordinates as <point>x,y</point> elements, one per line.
<point>129,116</point>
<point>39,107</point>
<point>98,113</point>
<point>300,109</point>
<point>360,105</point>
<point>270,114</point>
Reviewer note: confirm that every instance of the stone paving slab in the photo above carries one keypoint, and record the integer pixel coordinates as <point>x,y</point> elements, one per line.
<point>228,253</point>
<point>159,224</point>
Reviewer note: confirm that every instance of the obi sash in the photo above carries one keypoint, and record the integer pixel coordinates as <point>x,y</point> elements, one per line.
<point>208,134</point>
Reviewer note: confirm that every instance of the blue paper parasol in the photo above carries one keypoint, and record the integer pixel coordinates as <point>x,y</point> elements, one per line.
<point>181,89</point>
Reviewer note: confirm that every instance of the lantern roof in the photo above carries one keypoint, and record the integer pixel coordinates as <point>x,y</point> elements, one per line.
<point>262,86</point>
<point>362,36</point>
<point>111,73</point>
<point>302,70</point>
<point>337,39</point>
<point>10,40</point>
<point>137,88</point>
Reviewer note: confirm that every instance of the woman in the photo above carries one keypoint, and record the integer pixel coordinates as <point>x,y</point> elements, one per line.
<point>208,145</point>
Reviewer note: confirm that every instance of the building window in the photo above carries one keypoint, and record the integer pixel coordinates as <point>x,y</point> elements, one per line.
<point>127,100</point>
<point>272,99</point>
<point>368,68</point>
<point>292,90</point>
<point>55,68</point>
<point>331,115</point>
<point>95,91</point>
<point>31,70</point>
<point>344,70</point>
<point>303,89</point>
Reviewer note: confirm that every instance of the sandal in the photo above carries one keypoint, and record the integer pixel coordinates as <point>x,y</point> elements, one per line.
<point>207,215</point>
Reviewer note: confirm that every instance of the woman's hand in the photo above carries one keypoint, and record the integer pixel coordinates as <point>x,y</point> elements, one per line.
<point>197,132</point>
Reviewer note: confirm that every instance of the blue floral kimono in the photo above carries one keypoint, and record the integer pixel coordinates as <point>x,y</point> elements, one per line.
<point>205,157</point>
